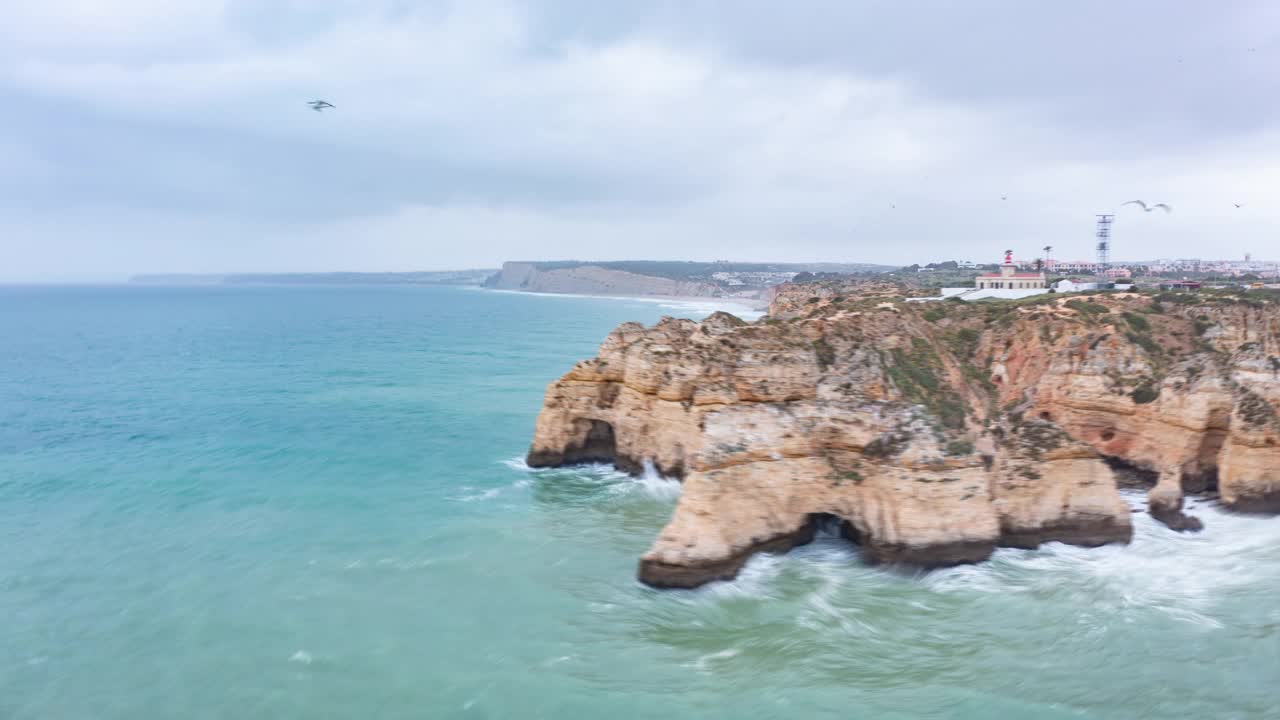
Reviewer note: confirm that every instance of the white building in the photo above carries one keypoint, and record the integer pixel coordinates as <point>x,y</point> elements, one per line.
<point>1010,279</point>
<point>1008,284</point>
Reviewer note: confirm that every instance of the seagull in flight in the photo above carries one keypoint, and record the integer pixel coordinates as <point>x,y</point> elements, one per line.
<point>319,105</point>
<point>1238,205</point>
<point>1004,197</point>
<point>1144,206</point>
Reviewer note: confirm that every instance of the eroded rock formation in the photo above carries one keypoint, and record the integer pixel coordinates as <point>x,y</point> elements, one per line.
<point>935,432</point>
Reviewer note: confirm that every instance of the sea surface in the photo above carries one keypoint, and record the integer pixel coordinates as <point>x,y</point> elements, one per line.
<point>309,502</point>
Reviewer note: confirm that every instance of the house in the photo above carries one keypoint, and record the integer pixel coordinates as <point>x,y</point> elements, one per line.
<point>1010,279</point>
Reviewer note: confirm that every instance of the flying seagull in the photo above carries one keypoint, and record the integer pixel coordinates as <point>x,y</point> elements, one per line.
<point>1143,205</point>
<point>1004,197</point>
<point>319,105</point>
<point>1238,205</point>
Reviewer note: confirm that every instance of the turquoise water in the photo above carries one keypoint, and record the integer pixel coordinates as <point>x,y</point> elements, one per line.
<point>308,503</point>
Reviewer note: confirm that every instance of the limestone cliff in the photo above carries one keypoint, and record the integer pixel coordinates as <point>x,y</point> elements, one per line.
<point>935,432</point>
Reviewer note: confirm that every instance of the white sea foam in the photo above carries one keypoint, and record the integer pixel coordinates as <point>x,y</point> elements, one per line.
<point>655,485</point>
<point>1185,577</point>
<point>519,464</point>
<point>694,307</point>
<point>649,484</point>
<point>755,579</point>
<point>1182,575</point>
<point>486,495</point>
<point>704,662</point>
<point>302,656</point>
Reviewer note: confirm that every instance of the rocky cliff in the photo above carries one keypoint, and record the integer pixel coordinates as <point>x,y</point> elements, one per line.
<point>933,432</point>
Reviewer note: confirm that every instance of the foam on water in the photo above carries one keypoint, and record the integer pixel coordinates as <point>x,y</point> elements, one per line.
<point>1180,574</point>
<point>650,484</point>
<point>486,495</point>
<point>706,662</point>
<point>1183,576</point>
<point>656,486</point>
<point>694,307</point>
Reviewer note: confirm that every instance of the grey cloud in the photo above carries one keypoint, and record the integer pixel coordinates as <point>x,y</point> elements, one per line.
<point>466,133</point>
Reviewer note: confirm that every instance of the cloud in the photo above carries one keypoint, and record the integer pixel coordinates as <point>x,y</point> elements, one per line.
<point>469,133</point>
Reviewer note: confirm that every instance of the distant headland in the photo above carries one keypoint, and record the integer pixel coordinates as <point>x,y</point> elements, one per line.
<point>444,277</point>
<point>723,279</point>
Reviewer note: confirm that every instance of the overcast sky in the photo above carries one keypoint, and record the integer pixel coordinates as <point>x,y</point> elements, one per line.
<point>174,135</point>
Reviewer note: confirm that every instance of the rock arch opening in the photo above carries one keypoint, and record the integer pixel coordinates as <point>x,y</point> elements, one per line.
<point>596,443</point>
<point>593,441</point>
<point>1130,476</point>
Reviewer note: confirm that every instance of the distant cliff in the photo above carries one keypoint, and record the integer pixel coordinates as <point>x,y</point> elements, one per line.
<point>932,432</point>
<point>657,277</point>
<point>439,277</point>
<point>593,280</point>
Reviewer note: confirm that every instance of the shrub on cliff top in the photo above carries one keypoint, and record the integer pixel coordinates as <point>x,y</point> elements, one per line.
<point>1137,322</point>
<point>963,342</point>
<point>916,375</point>
<point>934,314</point>
<point>1088,308</point>
<point>1145,342</point>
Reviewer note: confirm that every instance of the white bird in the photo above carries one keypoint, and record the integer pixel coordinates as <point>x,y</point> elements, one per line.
<point>319,105</point>
<point>1238,205</point>
<point>1144,206</point>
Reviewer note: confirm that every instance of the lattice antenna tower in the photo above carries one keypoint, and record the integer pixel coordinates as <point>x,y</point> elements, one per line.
<point>1103,236</point>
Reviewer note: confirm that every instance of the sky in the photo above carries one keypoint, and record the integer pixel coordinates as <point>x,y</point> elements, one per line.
<point>174,136</point>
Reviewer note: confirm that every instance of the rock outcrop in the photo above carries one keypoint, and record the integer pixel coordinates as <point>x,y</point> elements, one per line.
<point>934,432</point>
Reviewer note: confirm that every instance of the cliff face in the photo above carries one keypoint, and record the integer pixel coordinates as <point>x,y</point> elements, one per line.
<point>934,432</point>
<point>593,280</point>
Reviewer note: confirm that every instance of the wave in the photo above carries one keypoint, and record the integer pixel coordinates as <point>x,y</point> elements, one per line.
<point>695,306</point>
<point>650,484</point>
<point>1185,577</point>
<point>486,495</point>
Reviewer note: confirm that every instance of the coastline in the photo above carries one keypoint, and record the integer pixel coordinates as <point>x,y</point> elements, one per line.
<point>745,308</point>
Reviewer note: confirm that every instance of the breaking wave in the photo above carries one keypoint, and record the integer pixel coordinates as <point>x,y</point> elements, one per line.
<point>1191,578</point>
<point>599,476</point>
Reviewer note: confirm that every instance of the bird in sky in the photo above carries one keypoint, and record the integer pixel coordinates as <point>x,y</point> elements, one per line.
<point>1004,197</point>
<point>1238,205</point>
<point>1147,208</point>
<point>319,105</point>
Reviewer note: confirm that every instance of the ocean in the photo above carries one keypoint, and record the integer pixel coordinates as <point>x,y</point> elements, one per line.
<point>309,502</point>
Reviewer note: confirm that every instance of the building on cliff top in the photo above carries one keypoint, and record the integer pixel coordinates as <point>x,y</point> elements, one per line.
<point>1008,284</point>
<point>1010,279</point>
